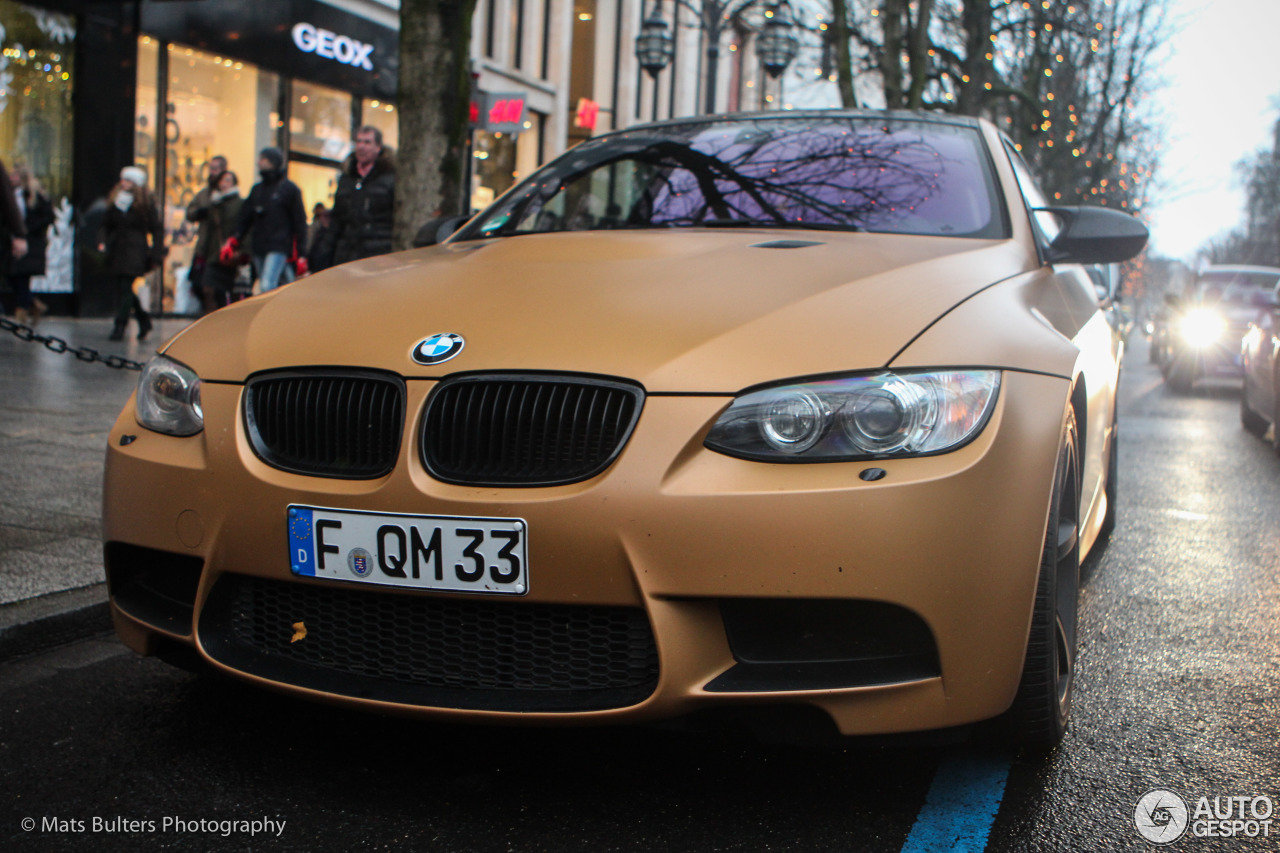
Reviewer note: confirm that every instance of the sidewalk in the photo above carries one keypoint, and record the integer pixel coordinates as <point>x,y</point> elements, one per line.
<point>54,421</point>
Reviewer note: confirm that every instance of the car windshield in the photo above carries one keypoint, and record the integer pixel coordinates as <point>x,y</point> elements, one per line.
<point>889,175</point>
<point>1234,286</point>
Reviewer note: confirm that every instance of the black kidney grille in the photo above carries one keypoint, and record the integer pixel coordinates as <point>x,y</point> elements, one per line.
<point>526,430</point>
<point>482,654</point>
<point>346,425</point>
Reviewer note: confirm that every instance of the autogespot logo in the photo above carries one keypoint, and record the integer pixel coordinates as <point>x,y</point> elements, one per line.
<point>1161,817</point>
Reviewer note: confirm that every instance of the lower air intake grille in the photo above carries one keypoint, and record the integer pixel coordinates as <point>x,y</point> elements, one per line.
<point>535,430</point>
<point>346,425</point>
<point>472,654</point>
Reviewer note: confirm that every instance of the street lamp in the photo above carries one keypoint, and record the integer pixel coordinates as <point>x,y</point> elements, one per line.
<point>654,45</point>
<point>776,45</point>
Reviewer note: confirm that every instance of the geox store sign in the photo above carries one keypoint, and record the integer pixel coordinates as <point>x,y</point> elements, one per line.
<point>330,45</point>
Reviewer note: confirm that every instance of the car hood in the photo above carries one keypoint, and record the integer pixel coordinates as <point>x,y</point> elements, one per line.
<point>703,311</point>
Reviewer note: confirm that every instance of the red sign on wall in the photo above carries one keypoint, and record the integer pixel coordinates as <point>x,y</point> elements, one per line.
<point>587,114</point>
<point>506,111</point>
<point>498,112</point>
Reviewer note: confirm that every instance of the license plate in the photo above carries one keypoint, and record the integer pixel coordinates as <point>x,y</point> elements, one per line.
<point>486,555</point>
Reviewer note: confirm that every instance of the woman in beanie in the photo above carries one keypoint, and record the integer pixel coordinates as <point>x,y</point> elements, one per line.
<point>274,217</point>
<point>132,237</point>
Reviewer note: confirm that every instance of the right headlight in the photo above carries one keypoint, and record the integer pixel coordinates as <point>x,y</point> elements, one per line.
<point>168,399</point>
<point>883,415</point>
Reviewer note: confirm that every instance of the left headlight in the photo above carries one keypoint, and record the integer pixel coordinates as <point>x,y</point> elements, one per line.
<point>876,416</point>
<point>168,398</point>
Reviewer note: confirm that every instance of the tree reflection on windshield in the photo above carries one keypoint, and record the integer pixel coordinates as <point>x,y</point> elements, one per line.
<point>897,176</point>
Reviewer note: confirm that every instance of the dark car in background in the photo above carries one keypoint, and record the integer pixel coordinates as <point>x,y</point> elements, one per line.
<point>1259,352</point>
<point>1200,335</point>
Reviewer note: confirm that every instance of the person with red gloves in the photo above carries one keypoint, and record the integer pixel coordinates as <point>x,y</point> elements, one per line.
<point>275,218</point>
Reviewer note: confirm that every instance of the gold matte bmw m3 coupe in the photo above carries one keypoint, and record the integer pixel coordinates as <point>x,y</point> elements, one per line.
<point>805,411</point>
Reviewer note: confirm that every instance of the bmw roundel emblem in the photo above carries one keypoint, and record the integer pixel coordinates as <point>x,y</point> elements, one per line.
<point>438,348</point>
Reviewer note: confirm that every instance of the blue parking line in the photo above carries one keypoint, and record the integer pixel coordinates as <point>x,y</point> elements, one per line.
<point>961,805</point>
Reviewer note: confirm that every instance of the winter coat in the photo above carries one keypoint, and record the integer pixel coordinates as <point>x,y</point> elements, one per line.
<point>320,252</point>
<point>221,217</point>
<point>11,224</point>
<point>219,222</point>
<point>273,215</point>
<point>198,211</point>
<point>126,232</point>
<point>38,219</point>
<point>363,210</point>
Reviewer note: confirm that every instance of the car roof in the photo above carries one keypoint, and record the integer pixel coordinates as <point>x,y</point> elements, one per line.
<point>1238,268</point>
<point>786,115</point>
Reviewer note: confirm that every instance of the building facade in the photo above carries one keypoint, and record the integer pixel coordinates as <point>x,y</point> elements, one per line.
<point>89,87</point>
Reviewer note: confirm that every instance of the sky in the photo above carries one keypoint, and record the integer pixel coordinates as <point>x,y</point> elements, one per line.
<point>1222,100</point>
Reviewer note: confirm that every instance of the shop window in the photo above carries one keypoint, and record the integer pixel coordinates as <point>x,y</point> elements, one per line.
<point>320,121</point>
<point>146,150</point>
<point>214,105</point>
<point>494,166</point>
<point>384,117</point>
<point>37,51</point>
<point>318,183</point>
<point>499,160</point>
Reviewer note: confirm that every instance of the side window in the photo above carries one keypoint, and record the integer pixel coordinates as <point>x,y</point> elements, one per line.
<point>1046,224</point>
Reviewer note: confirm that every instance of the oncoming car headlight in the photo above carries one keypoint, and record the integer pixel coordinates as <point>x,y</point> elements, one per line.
<point>168,398</point>
<point>1202,327</point>
<point>858,417</point>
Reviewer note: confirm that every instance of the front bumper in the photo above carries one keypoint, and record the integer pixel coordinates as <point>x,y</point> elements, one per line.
<point>728,562</point>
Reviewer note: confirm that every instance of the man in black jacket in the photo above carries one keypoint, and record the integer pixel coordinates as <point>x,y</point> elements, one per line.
<point>364,203</point>
<point>275,217</point>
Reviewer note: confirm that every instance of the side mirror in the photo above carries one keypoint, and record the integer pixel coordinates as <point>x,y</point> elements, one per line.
<point>1095,235</point>
<point>436,230</point>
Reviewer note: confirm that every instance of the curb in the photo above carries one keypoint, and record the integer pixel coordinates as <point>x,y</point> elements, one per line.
<point>39,624</point>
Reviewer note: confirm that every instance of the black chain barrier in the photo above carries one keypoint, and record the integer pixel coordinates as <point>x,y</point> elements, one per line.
<point>56,344</point>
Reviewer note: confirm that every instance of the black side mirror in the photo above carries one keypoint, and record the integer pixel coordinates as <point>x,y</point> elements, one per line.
<point>436,230</point>
<point>1095,235</point>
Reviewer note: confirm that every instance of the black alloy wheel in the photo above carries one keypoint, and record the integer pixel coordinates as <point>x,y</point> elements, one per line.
<point>1040,711</point>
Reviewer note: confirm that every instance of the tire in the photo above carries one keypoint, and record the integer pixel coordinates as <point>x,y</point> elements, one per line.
<point>1180,375</point>
<point>1042,708</point>
<point>1249,419</point>
<point>1275,424</point>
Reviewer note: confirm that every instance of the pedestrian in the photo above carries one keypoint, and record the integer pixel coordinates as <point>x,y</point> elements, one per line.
<point>274,217</point>
<point>132,236</point>
<point>364,203</point>
<point>37,215</point>
<point>320,243</point>
<point>198,212</point>
<point>13,228</point>
<point>220,218</point>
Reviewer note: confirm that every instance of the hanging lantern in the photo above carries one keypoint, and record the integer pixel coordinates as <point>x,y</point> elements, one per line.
<point>654,45</point>
<point>777,44</point>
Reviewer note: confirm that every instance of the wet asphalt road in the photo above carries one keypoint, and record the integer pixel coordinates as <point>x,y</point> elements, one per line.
<point>1180,662</point>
